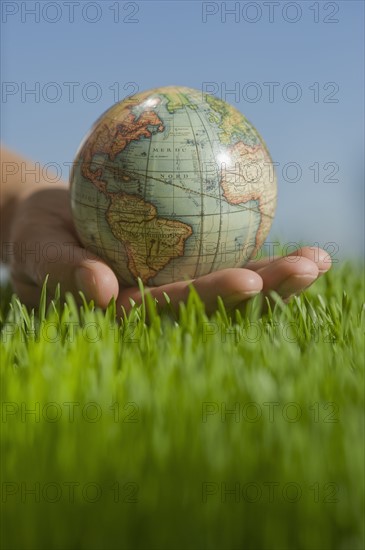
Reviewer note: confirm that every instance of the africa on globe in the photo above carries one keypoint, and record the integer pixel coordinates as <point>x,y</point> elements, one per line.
<point>171,184</point>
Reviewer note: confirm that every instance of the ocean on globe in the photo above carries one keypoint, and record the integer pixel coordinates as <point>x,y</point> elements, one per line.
<point>171,184</point>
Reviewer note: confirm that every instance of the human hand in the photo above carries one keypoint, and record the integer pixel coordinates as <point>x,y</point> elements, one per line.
<point>44,242</point>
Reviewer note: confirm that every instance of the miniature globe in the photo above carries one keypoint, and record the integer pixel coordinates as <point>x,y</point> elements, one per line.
<point>171,184</point>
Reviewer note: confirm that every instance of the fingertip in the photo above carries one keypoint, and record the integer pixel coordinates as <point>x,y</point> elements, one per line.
<point>324,261</point>
<point>253,281</point>
<point>239,280</point>
<point>98,282</point>
<point>233,285</point>
<point>241,284</point>
<point>317,255</point>
<point>305,267</point>
<point>298,266</point>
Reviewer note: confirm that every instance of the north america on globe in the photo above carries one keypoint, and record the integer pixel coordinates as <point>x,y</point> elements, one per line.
<point>171,184</point>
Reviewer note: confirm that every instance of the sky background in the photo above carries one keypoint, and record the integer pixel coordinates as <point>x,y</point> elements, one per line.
<point>80,57</point>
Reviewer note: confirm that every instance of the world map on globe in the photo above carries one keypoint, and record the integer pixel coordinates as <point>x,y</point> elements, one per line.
<point>172,184</point>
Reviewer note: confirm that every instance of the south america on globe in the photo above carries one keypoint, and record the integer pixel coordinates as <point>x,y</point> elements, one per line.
<point>171,184</point>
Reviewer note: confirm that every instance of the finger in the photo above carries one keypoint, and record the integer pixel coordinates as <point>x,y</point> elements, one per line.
<point>319,256</point>
<point>289,277</point>
<point>233,285</point>
<point>67,263</point>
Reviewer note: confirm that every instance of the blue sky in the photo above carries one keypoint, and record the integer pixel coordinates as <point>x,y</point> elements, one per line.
<point>295,68</point>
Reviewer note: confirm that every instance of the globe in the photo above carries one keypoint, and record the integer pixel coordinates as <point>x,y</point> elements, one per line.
<point>172,184</point>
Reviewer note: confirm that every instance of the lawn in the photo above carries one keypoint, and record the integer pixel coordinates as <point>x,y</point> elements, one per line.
<point>234,431</point>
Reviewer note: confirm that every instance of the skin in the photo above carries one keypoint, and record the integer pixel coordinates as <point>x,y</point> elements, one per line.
<point>38,238</point>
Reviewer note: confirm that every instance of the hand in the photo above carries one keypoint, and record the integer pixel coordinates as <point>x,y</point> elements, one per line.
<point>45,241</point>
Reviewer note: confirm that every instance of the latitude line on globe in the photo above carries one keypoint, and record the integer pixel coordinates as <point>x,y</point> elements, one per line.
<point>133,174</point>
<point>243,209</point>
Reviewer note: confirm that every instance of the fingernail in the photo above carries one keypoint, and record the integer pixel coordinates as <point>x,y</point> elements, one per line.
<point>85,281</point>
<point>295,283</point>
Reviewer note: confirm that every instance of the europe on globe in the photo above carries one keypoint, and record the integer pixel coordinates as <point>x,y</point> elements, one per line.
<point>171,184</point>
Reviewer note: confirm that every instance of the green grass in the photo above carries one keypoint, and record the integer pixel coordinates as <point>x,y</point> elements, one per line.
<point>135,417</point>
